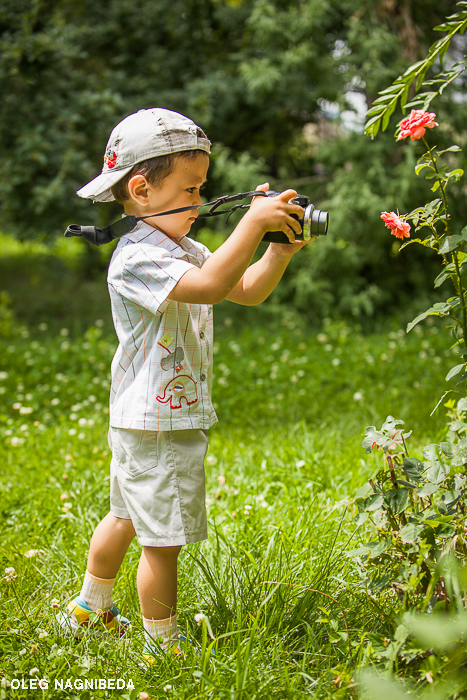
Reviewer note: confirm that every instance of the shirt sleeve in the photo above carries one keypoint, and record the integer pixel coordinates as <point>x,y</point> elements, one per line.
<point>145,275</point>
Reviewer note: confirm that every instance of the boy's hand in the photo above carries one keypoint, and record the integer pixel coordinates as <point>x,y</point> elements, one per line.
<point>273,214</point>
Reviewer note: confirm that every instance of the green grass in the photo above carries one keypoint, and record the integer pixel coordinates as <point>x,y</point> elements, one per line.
<point>284,603</point>
<point>292,408</point>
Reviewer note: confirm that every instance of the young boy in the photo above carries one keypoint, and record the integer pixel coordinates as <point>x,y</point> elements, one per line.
<point>162,287</point>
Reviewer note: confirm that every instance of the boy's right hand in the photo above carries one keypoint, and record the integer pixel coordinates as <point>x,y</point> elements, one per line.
<point>273,213</point>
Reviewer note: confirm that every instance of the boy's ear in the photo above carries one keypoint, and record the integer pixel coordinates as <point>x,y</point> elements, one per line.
<point>138,189</point>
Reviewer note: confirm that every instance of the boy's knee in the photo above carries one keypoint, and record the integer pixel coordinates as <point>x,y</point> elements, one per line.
<point>123,525</point>
<point>168,552</point>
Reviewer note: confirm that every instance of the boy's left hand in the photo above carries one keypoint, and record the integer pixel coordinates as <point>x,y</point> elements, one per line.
<point>286,250</point>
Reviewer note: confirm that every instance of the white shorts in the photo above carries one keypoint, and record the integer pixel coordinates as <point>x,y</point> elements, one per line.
<point>157,481</point>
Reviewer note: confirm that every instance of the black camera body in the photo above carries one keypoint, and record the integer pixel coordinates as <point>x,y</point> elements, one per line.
<point>314,222</point>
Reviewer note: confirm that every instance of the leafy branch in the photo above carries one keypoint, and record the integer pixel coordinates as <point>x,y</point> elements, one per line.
<point>383,107</point>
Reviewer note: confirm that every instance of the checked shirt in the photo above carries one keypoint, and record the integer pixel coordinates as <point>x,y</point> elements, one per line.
<point>162,369</point>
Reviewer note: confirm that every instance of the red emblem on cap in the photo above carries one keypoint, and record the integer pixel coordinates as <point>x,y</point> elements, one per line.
<point>111,160</point>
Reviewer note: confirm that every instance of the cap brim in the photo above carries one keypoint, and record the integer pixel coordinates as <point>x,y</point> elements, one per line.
<point>99,189</point>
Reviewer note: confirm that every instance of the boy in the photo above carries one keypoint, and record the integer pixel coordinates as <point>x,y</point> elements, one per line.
<point>162,287</point>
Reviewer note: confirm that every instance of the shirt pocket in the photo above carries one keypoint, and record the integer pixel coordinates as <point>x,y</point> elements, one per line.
<point>134,450</point>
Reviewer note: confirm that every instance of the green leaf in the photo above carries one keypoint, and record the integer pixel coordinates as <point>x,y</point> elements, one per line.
<point>447,448</point>
<point>455,175</point>
<point>403,482</point>
<point>437,472</point>
<point>396,500</point>
<point>462,405</point>
<point>419,168</point>
<point>427,490</point>
<point>454,371</point>
<point>411,532</point>
<point>445,530</point>
<point>435,186</point>
<point>442,277</point>
<point>413,468</point>
<point>373,502</point>
<point>361,518</point>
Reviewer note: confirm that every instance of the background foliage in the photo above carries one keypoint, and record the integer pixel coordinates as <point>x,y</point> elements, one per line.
<point>267,81</point>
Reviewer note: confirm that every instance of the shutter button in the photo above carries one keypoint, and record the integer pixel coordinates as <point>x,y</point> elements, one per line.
<point>203,377</point>
<point>201,335</point>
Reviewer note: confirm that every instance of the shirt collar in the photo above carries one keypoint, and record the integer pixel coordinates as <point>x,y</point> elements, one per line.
<point>186,248</point>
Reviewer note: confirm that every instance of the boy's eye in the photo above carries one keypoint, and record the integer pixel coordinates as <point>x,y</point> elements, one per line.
<point>192,189</point>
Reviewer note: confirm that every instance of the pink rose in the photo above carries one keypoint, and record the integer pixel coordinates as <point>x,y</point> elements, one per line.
<point>416,124</point>
<point>398,227</point>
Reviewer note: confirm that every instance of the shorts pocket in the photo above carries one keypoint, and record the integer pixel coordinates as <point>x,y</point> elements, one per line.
<point>135,451</point>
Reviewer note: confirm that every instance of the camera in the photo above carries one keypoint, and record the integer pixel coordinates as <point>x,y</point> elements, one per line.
<point>314,222</point>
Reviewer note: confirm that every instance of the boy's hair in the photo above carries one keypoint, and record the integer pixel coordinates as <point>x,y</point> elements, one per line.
<point>155,170</point>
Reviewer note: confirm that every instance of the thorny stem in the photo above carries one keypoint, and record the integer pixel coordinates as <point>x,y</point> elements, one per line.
<point>459,286</point>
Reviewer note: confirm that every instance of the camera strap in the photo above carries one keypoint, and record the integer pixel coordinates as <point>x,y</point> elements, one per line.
<point>99,236</point>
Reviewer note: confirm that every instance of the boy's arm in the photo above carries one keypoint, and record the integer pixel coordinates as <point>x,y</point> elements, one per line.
<point>260,279</point>
<point>224,269</point>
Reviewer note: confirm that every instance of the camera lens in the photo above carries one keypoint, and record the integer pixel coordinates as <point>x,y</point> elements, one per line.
<point>319,223</point>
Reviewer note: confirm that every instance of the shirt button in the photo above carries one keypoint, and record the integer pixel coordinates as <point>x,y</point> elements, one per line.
<point>203,377</point>
<point>201,335</point>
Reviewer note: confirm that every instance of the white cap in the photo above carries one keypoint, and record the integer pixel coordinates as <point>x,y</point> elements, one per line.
<point>146,134</point>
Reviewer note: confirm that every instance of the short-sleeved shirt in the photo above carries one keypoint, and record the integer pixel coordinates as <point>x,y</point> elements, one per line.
<point>162,370</point>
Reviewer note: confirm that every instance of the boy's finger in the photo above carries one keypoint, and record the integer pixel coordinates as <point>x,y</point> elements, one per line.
<point>287,194</point>
<point>263,188</point>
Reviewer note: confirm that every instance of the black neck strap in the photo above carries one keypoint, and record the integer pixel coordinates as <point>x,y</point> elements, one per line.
<point>100,236</point>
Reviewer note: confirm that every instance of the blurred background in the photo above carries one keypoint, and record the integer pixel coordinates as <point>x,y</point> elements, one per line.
<point>281,88</point>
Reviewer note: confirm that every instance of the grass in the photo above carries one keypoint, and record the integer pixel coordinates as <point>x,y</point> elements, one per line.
<point>282,599</point>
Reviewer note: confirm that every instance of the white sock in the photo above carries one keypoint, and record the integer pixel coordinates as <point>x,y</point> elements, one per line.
<point>97,592</point>
<point>167,629</point>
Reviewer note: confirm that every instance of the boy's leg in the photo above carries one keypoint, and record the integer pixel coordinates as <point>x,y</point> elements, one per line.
<point>157,590</point>
<point>109,544</point>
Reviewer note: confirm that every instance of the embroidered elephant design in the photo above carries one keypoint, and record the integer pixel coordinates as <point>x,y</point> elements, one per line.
<point>182,387</point>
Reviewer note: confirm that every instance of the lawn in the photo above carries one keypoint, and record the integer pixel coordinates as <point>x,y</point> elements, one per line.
<point>288,616</point>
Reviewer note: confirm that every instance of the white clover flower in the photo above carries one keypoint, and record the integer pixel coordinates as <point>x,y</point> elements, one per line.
<point>167,687</point>
<point>72,431</point>
<point>92,398</point>
<point>15,441</point>
<point>43,634</point>
<point>336,362</point>
<point>67,507</point>
<point>42,326</point>
<point>73,416</point>
<point>34,671</point>
<point>300,463</point>
<point>22,652</point>
<point>65,345</point>
<point>144,695</point>
<point>64,331</point>
<point>33,553</point>
<point>16,406</point>
<point>199,617</point>
<point>358,396</point>
<point>25,409</point>
<point>81,436</point>
<point>82,422</point>
<point>328,348</point>
<point>321,337</point>
<point>43,684</point>
<point>10,571</point>
<point>55,603</point>
<point>55,402</point>
<point>3,375</point>
<point>91,421</point>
